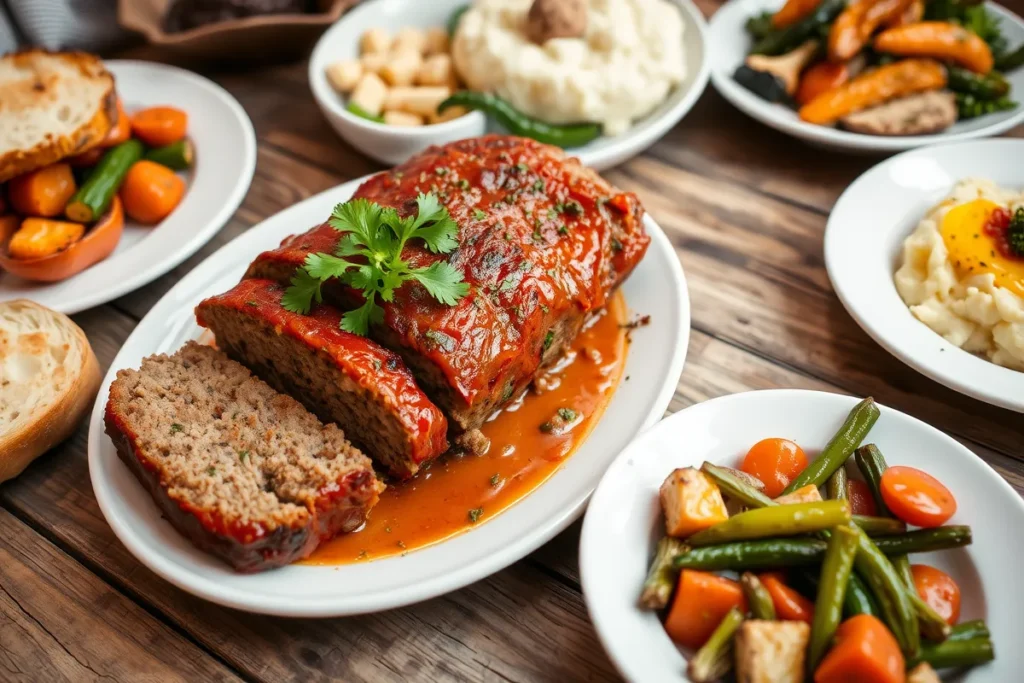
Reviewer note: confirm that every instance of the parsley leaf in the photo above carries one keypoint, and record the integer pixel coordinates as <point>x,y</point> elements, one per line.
<point>304,290</point>
<point>358,321</point>
<point>442,281</point>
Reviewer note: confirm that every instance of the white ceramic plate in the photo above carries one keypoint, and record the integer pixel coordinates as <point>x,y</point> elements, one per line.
<point>863,247</point>
<point>393,145</point>
<point>624,520</point>
<point>656,288</point>
<point>225,160</point>
<point>729,44</point>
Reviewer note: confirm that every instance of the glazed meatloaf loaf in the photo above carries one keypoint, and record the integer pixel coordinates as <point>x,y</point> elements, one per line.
<point>342,377</point>
<point>245,473</point>
<point>543,241</point>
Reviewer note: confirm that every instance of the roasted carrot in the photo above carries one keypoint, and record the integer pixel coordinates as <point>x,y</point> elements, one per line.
<point>702,601</point>
<point>789,604</point>
<point>864,651</point>
<point>159,126</point>
<point>853,28</point>
<point>939,40</point>
<point>150,191</point>
<point>939,590</point>
<point>875,87</point>
<point>42,192</point>
<point>821,78</point>
<point>775,462</point>
<point>39,237</point>
<point>911,14</point>
<point>916,497</point>
<point>793,11</point>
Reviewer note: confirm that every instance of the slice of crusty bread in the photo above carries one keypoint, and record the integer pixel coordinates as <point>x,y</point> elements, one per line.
<point>48,379</point>
<point>52,105</point>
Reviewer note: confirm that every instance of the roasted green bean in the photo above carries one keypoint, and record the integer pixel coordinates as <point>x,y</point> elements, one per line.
<point>859,599</point>
<point>858,423</point>
<point>766,554</point>
<point>925,540</point>
<point>662,576</point>
<point>758,598</point>
<point>774,521</point>
<point>871,464</point>
<point>893,599</point>
<point>955,653</point>
<point>735,487</point>
<point>932,625</point>
<point>835,575</point>
<point>714,659</point>
<point>837,485</point>
<point>969,630</point>
<point>879,526</point>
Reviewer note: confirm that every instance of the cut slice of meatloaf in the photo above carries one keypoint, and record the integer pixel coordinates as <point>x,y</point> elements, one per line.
<point>340,376</point>
<point>543,241</point>
<point>245,473</point>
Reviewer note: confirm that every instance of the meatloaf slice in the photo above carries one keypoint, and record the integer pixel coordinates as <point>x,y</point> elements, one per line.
<point>543,241</point>
<point>245,473</point>
<point>341,377</point>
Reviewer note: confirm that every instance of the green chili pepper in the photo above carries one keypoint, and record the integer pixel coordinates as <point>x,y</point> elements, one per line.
<point>774,521</point>
<point>767,554</point>
<point>455,18</point>
<point>858,424</point>
<point>835,576</point>
<point>518,123</point>
<point>714,659</point>
<point>758,598</point>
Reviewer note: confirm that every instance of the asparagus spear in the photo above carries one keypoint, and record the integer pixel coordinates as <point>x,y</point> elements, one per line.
<point>776,520</point>
<point>714,659</point>
<point>925,540</point>
<point>837,485</point>
<point>662,576</point>
<point>762,554</point>
<point>835,576</point>
<point>897,610</point>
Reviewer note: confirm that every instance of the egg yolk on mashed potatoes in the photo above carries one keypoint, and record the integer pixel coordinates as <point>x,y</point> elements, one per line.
<point>958,277</point>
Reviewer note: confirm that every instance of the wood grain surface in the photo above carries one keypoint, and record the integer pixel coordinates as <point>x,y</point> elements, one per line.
<point>745,208</point>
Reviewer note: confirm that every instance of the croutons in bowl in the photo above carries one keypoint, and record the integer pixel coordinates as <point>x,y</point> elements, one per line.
<point>379,73</point>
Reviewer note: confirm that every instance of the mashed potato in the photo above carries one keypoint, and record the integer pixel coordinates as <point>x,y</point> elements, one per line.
<point>968,309</point>
<point>624,67</point>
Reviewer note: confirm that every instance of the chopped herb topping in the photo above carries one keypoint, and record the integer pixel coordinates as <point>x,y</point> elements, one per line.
<point>495,479</point>
<point>548,339</point>
<point>251,303</point>
<point>567,414</point>
<point>401,544</point>
<point>441,170</point>
<point>362,555</point>
<point>562,230</point>
<point>616,245</point>
<point>387,529</point>
<point>547,427</point>
<point>537,237</point>
<point>211,470</point>
<point>474,514</point>
<point>376,364</point>
<point>522,168</point>
<point>545,308</point>
<point>176,428</point>
<point>538,185</point>
<point>479,215</point>
<point>573,208</point>
<point>463,184</point>
<point>441,340</point>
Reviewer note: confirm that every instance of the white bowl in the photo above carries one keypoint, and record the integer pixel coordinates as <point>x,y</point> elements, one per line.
<point>393,145</point>
<point>729,46</point>
<point>624,523</point>
<point>863,248</point>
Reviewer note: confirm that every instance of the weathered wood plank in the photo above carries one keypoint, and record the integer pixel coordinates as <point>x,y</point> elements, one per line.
<point>59,622</point>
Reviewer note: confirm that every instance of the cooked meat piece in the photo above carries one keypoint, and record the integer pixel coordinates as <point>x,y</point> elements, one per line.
<point>341,377</point>
<point>543,241</point>
<point>920,114</point>
<point>243,472</point>
<point>771,651</point>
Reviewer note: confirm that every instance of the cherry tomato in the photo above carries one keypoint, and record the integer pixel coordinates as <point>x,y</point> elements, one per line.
<point>775,462</point>
<point>861,500</point>
<point>939,590</point>
<point>916,497</point>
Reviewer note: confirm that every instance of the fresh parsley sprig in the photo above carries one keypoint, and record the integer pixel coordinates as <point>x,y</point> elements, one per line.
<point>378,234</point>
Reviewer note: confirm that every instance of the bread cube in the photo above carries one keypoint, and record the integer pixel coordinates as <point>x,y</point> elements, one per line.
<point>370,94</point>
<point>401,118</point>
<point>374,40</point>
<point>344,75</point>
<point>416,100</point>
<point>436,70</point>
<point>401,68</point>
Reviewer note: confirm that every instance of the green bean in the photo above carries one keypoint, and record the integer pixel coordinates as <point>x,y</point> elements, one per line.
<point>765,554</point>
<point>955,653</point>
<point>969,630</point>
<point>781,41</point>
<point>837,485</point>
<point>758,598</point>
<point>714,659</point>
<point>859,599</point>
<point>872,465</point>
<point>990,86</point>
<point>879,526</point>
<point>835,575</point>
<point>662,576</point>
<point>896,608</point>
<point>735,487</point>
<point>1011,60</point>
<point>858,424</point>
<point>932,625</point>
<point>925,540</point>
<point>518,123</point>
<point>778,520</point>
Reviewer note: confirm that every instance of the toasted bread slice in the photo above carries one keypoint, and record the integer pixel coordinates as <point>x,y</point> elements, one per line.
<point>52,105</point>
<point>48,379</point>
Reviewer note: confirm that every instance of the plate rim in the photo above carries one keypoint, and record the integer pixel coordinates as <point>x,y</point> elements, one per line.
<point>863,315</point>
<point>522,545</point>
<point>232,199</point>
<point>764,112</point>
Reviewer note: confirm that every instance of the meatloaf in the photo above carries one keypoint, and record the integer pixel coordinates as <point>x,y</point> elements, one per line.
<point>543,241</point>
<point>342,377</point>
<point>245,473</point>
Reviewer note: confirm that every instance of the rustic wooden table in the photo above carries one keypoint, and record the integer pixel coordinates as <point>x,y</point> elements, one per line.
<point>745,207</point>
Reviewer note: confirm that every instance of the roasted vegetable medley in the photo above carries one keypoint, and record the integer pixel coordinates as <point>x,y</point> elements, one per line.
<point>881,67</point>
<point>761,575</point>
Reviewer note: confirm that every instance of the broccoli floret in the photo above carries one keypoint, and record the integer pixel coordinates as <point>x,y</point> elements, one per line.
<point>1015,232</point>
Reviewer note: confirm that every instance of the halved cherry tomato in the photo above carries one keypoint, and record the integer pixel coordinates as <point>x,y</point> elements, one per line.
<point>159,126</point>
<point>939,590</point>
<point>861,500</point>
<point>789,604</point>
<point>916,497</point>
<point>865,651</point>
<point>775,462</point>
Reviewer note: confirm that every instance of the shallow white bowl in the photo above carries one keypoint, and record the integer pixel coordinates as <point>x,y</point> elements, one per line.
<point>393,145</point>
<point>624,522</point>
<point>656,288</point>
<point>729,44</point>
<point>863,249</point>
<point>225,161</point>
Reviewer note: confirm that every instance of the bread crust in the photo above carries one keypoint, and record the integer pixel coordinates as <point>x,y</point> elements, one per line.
<point>59,421</point>
<point>85,137</point>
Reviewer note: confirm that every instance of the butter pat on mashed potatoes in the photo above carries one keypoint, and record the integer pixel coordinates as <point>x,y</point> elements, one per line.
<point>956,282</point>
<point>625,65</point>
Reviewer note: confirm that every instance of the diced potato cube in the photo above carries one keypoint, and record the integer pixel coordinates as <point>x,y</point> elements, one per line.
<point>402,68</point>
<point>437,41</point>
<point>771,651</point>
<point>374,40</point>
<point>691,502</point>
<point>448,114</point>
<point>410,39</point>
<point>401,118</point>
<point>805,494</point>
<point>436,70</point>
<point>374,62</point>
<point>421,100</point>
<point>344,75</point>
<point>923,673</point>
<point>370,94</point>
